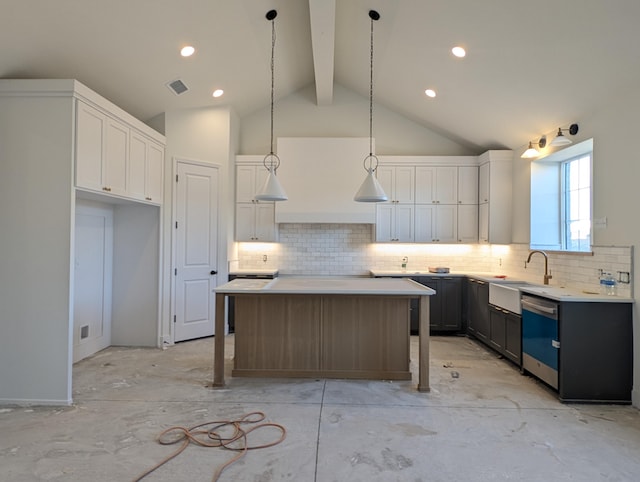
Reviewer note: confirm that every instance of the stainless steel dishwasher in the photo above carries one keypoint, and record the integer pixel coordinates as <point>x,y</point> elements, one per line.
<point>540,342</point>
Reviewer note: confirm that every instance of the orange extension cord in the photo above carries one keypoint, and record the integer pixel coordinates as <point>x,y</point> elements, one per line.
<point>206,435</point>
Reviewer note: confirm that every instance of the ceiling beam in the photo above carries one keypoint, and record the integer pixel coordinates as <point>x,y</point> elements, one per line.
<point>322,15</point>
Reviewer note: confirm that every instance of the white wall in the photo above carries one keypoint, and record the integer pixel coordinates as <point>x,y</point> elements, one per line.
<point>297,115</point>
<point>207,135</point>
<point>36,206</point>
<point>616,173</point>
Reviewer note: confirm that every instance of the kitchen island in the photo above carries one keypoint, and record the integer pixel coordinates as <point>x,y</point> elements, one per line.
<point>323,327</point>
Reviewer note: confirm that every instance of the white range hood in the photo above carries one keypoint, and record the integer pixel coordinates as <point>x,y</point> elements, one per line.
<point>321,175</point>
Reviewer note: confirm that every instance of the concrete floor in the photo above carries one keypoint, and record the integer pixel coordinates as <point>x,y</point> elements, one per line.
<point>482,421</point>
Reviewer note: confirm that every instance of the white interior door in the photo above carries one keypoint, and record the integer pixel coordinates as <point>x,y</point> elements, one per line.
<point>196,250</point>
<point>93,277</point>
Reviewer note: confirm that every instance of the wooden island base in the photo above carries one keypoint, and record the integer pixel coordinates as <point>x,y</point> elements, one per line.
<point>323,336</point>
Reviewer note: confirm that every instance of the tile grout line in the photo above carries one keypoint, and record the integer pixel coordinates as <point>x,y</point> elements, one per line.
<point>315,472</point>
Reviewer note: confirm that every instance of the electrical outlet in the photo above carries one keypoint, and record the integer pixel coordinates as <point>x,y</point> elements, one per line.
<point>405,259</point>
<point>264,258</point>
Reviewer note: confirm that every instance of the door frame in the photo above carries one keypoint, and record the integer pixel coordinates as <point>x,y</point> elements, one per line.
<point>174,245</point>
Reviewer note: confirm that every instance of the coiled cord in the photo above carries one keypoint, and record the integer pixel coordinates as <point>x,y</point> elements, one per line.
<point>207,435</point>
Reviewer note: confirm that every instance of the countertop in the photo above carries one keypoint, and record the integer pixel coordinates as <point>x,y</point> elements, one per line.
<point>488,277</point>
<point>567,294</point>
<point>550,292</point>
<point>342,286</point>
<point>257,272</point>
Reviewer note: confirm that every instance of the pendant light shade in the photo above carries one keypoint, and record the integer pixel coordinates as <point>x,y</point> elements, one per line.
<point>271,190</point>
<point>530,152</point>
<point>371,191</point>
<point>560,139</point>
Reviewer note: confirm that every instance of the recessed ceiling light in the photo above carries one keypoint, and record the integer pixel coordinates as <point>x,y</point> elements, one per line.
<point>458,51</point>
<point>218,92</point>
<point>187,51</point>
<point>430,93</point>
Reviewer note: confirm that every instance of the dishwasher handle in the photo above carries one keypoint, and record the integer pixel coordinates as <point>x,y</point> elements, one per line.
<point>539,308</point>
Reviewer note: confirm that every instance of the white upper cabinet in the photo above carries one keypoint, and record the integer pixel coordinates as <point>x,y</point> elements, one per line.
<point>467,223</point>
<point>255,220</point>
<point>483,183</point>
<point>114,158</point>
<point>90,142</point>
<point>436,223</point>
<point>437,185</point>
<point>249,179</point>
<point>395,223</point>
<point>146,162</point>
<point>495,197</point>
<point>398,183</point>
<point>467,185</point>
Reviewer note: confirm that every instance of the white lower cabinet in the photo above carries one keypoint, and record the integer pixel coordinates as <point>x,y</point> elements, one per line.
<point>436,223</point>
<point>255,221</point>
<point>395,223</point>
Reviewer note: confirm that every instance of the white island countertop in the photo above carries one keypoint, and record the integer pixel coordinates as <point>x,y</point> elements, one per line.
<point>343,286</point>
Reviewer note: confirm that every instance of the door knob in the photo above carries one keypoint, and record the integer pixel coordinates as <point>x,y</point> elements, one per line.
<point>213,271</point>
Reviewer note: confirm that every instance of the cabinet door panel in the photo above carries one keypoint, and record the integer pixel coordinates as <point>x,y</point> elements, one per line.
<point>245,221</point>
<point>404,184</point>
<point>424,216</point>
<point>385,175</point>
<point>483,183</point>
<point>137,166</point>
<point>467,185</point>
<point>497,329</point>
<point>483,223</point>
<point>384,223</point>
<point>90,129</point>
<point>116,154</point>
<point>447,223</point>
<point>451,289</point>
<point>446,185</point>
<point>404,223</point>
<point>425,180</point>
<point>468,223</point>
<point>245,184</point>
<point>155,173</point>
<point>265,222</point>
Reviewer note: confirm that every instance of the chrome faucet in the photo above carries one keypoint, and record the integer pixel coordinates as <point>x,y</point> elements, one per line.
<point>547,276</point>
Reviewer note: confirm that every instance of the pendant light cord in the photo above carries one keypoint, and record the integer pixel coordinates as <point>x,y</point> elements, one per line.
<point>371,94</point>
<point>273,48</point>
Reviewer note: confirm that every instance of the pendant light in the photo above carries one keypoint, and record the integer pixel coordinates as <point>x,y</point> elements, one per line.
<point>272,189</point>
<point>371,190</point>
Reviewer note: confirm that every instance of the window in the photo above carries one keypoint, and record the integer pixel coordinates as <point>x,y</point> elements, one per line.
<point>576,203</point>
<point>561,200</point>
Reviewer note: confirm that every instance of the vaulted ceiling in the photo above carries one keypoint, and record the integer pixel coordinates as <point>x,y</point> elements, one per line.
<point>530,66</point>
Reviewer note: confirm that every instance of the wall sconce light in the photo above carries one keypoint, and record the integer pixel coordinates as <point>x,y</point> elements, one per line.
<point>561,139</point>
<point>532,151</point>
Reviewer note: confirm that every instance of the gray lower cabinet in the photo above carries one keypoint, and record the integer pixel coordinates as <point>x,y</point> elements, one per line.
<point>505,333</point>
<point>445,308</point>
<point>478,322</point>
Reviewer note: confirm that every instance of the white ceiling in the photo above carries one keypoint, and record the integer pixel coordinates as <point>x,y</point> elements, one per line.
<point>531,66</point>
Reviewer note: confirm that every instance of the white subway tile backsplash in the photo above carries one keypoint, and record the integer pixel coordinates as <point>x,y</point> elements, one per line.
<point>348,250</point>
